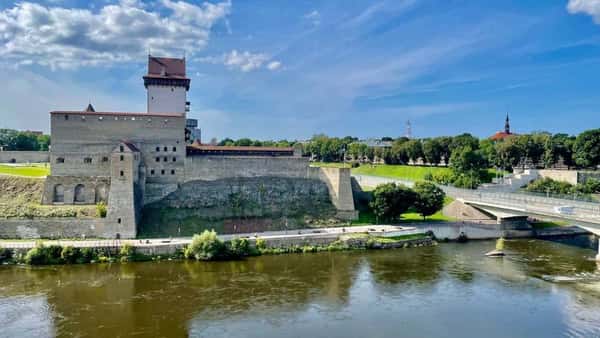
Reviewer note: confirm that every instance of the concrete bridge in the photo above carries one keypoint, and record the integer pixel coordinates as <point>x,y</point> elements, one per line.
<point>585,215</point>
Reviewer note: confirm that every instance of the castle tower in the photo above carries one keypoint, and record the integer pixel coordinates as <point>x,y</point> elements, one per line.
<point>167,85</point>
<point>507,125</point>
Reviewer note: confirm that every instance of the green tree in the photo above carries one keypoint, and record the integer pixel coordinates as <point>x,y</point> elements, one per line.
<point>432,151</point>
<point>587,148</point>
<point>390,201</point>
<point>430,198</point>
<point>205,246</point>
<point>413,149</point>
<point>463,141</point>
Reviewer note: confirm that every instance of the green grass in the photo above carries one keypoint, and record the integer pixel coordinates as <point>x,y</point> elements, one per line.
<point>549,224</point>
<point>330,164</point>
<point>408,172</point>
<point>367,217</point>
<point>33,170</point>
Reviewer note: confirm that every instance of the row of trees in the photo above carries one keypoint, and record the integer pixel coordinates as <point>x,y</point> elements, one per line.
<point>23,140</point>
<point>391,200</point>
<point>540,149</point>
<point>246,142</point>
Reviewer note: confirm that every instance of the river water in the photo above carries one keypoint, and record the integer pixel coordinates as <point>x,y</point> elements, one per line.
<point>541,289</point>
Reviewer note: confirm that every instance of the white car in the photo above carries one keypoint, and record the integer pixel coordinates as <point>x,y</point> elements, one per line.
<point>564,210</point>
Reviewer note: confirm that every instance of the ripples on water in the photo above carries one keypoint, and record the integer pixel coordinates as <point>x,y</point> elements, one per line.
<point>541,289</point>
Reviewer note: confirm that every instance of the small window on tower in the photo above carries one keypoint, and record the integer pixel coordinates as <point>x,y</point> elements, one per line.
<point>157,148</point>
<point>158,159</point>
<point>174,159</point>
<point>60,160</point>
<point>165,159</point>
<point>165,149</point>
<point>105,159</point>
<point>122,157</point>
<point>152,172</point>
<point>173,172</point>
<point>174,149</point>
<point>121,148</point>
<point>122,173</point>
<point>66,117</point>
<point>162,172</point>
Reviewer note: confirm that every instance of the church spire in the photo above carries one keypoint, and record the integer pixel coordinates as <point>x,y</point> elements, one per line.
<point>507,125</point>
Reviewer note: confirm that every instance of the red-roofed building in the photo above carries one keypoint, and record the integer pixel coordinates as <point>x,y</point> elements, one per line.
<point>501,135</point>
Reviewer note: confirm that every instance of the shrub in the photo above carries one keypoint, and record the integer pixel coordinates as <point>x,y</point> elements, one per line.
<point>206,246</point>
<point>5,255</point>
<point>428,176</point>
<point>101,210</point>
<point>261,244</point>
<point>127,252</point>
<point>238,247</point>
<point>70,255</point>
<point>87,255</point>
<point>44,255</point>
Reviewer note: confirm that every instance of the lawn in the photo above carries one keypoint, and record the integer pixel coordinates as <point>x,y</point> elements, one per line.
<point>330,164</point>
<point>367,216</point>
<point>32,170</point>
<point>409,172</point>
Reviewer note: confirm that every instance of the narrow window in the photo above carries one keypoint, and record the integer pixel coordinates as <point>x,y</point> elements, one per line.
<point>158,159</point>
<point>87,160</point>
<point>172,172</point>
<point>162,172</point>
<point>105,159</point>
<point>121,148</point>
<point>122,157</point>
<point>157,149</point>
<point>122,173</point>
<point>60,160</point>
<point>165,159</point>
<point>174,149</point>
<point>174,159</point>
<point>165,149</point>
<point>152,172</point>
<point>119,220</point>
<point>66,117</point>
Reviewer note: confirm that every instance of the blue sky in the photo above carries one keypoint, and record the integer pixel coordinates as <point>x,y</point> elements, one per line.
<point>290,69</point>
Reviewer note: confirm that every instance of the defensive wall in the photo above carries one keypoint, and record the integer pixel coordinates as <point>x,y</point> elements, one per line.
<point>569,176</point>
<point>24,156</point>
<point>62,227</point>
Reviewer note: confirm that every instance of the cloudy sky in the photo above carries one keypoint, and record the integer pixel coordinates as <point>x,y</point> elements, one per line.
<point>290,69</point>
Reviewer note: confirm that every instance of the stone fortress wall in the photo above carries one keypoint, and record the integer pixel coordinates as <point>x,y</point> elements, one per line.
<point>569,176</point>
<point>24,156</point>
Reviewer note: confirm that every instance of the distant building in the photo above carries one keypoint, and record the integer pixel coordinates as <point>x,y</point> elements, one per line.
<point>501,135</point>
<point>193,133</point>
<point>376,143</point>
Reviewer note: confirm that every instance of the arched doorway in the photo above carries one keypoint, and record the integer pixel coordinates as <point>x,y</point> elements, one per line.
<point>79,194</point>
<point>101,193</point>
<point>59,194</point>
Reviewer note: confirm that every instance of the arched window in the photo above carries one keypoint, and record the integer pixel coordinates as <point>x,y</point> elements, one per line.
<point>59,194</point>
<point>79,193</point>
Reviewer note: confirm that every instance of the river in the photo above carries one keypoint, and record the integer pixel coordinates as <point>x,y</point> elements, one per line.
<point>541,289</point>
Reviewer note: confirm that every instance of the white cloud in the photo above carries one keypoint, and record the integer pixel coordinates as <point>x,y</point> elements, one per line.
<point>314,17</point>
<point>244,61</point>
<point>590,7</point>
<point>274,65</point>
<point>68,38</point>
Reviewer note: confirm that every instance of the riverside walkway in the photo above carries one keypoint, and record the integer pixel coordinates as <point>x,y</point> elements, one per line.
<point>290,235</point>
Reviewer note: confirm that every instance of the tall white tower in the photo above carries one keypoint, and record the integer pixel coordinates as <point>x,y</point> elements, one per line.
<point>167,85</point>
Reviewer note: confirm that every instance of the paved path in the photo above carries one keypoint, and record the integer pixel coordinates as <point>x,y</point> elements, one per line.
<point>382,230</point>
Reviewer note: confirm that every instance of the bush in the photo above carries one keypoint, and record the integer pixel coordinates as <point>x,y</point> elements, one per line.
<point>70,255</point>
<point>428,176</point>
<point>44,255</point>
<point>238,247</point>
<point>101,210</point>
<point>5,255</point>
<point>391,200</point>
<point>127,252</point>
<point>443,177</point>
<point>206,246</point>
<point>261,244</point>
<point>87,255</point>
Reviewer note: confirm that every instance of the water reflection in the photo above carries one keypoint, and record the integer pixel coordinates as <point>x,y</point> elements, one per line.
<point>408,292</point>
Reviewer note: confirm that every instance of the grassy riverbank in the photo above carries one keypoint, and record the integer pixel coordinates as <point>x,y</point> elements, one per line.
<point>31,170</point>
<point>205,247</point>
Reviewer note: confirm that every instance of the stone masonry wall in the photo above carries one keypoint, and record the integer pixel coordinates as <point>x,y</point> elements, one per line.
<point>57,228</point>
<point>218,167</point>
<point>249,197</point>
<point>24,156</point>
<point>569,176</point>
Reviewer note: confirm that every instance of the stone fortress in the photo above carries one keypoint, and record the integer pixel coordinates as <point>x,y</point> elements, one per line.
<point>130,160</point>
